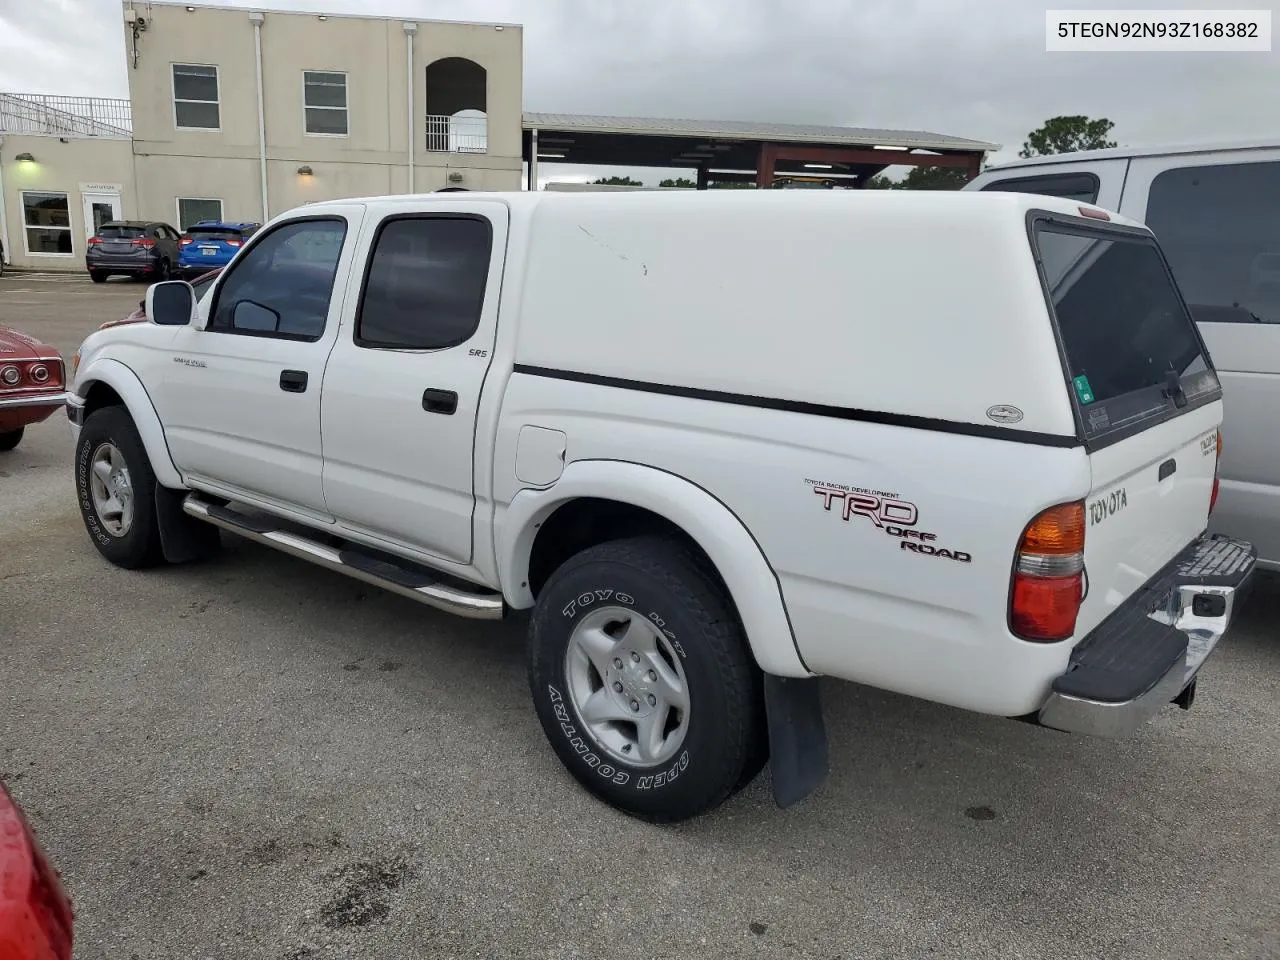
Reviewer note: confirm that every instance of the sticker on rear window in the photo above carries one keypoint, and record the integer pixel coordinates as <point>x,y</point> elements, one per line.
<point>1084,392</point>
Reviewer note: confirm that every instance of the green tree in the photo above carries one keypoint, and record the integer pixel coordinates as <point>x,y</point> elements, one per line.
<point>618,182</point>
<point>678,182</point>
<point>1067,135</point>
<point>935,178</point>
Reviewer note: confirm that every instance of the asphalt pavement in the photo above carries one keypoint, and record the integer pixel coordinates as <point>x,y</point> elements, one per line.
<point>256,758</point>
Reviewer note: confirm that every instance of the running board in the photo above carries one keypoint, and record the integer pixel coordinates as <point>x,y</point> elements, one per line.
<point>406,581</point>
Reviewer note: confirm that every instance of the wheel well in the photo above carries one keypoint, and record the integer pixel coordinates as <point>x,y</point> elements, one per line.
<point>583,523</point>
<point>101,395</point>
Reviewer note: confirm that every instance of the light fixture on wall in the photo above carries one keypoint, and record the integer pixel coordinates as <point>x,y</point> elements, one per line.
<point>304,171</point>
<point>322,18</point>
<point>25,158</point>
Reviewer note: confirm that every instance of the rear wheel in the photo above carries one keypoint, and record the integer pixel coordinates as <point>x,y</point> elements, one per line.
<point>643,681</point>
<point>97,276</point>
<point>11,438</point>
<point>116,488</point>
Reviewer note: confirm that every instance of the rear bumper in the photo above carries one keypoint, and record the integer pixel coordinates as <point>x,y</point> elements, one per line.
<point>1148,652</point>
<point>50,400</point>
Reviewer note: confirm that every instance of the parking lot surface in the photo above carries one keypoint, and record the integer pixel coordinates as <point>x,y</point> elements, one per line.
<point>257,758</point>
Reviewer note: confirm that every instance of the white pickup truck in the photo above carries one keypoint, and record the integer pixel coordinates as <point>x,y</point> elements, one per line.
<point>960,446</point>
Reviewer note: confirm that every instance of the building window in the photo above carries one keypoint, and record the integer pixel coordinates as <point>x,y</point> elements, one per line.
<point>457,98</point>
<point>194,209</point>
<point>324,102</point>
<point>46,218</point>
<point>195,97</point>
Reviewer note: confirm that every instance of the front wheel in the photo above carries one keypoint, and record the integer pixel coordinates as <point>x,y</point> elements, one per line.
<point>97,276</point>
<point>643,681</point>
<point>116,489</point>
<point>11,438</point>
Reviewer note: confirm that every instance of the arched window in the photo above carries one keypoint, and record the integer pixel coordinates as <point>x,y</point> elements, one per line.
<point>457,105</point>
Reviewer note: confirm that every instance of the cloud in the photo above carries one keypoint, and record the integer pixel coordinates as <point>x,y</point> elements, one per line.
<point>974,70</point>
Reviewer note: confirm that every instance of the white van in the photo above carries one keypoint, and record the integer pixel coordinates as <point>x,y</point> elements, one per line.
<point>1216,212</point>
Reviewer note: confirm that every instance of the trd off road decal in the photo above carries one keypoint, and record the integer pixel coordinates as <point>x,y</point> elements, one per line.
<point>895,517</point>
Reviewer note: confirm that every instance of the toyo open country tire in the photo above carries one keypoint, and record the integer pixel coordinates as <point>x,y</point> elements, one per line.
<point>116,489</point>
<point>643,680</point>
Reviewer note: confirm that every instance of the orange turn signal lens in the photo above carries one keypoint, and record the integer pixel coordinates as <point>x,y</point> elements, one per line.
<point>1058,530</point>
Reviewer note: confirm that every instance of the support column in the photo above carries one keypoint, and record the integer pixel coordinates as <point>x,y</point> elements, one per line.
<point>702,178</point>
<point>764,166</point>
<point>533,160</point>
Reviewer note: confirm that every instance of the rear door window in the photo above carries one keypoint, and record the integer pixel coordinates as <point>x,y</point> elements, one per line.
<point>121,232</point>
<point>1082,187</point>
<point>1220,228</point>
<point>214,233</point>
<point>1132,351</point>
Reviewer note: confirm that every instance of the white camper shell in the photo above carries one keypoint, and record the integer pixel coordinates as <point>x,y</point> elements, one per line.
<point>962,446</point>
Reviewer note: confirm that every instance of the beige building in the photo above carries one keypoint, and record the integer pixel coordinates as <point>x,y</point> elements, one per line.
<point>238,114</point>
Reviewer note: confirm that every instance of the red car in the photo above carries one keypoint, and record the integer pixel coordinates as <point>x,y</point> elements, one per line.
<point>200,284</point>
<point>36,917</point>
<point>32,384</point>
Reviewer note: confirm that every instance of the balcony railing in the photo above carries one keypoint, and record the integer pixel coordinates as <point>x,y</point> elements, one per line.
<point>457,134</point>
<point>44,114</point>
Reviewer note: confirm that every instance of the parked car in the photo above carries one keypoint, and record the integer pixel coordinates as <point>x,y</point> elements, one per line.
<point>132,248</point>
<point>32,384</point>
<point>1216,211</point>
<point>200,285</point>
<point>36,916</point>
<point>212,243</point>
<point>974,472</point>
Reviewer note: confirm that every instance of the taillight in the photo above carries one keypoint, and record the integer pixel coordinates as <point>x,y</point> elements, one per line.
<point>36,918</point>
<point>185,241</point>
<point>232,242</point>
<point>1217,466</point>
<point>9,376</point>
<point>1048,575</point>
<point>94,241</point>
<point>38,373</point>
<point>144,242</point>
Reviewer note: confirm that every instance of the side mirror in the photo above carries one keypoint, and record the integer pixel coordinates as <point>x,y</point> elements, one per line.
<point>171,303</point>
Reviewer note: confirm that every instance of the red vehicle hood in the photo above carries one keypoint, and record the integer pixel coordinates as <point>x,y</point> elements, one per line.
<point>20,346</point>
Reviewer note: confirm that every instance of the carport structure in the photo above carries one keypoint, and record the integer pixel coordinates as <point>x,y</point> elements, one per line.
<point>737,151</point>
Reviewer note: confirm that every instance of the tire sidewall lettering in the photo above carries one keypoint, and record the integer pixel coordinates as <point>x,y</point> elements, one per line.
<point>86,502</point>
<point>590,598</point>
<point>580,742</point>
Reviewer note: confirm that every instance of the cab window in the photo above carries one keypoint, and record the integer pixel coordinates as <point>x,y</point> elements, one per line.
<point>281,287</point>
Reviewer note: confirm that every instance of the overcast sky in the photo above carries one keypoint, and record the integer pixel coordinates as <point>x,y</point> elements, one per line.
<point>976,69</point>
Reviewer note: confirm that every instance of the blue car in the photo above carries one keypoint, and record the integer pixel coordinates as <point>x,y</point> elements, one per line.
<point>212,243</point>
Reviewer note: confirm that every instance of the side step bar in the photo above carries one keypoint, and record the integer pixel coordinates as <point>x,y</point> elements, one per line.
<point>406,581</point>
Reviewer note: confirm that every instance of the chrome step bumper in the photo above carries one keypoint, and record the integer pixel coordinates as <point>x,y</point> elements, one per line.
<point>1148,652</point>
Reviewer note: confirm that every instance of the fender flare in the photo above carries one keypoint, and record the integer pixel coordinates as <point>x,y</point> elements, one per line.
<point>137,401</point>
<point>752,583</point>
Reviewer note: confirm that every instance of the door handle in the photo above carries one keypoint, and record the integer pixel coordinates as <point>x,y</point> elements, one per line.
<point>1168,468</point>
<point>293,381</point>
<point>439,401</point>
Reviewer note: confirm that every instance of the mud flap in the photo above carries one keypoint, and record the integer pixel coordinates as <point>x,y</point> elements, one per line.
<point>183,538</point>
<point>798,758</point>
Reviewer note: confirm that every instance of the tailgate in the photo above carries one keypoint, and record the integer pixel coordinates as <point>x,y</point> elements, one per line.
<point>1147,401</point>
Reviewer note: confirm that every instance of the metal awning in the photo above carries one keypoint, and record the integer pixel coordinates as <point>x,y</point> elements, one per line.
<point>729,149</point>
